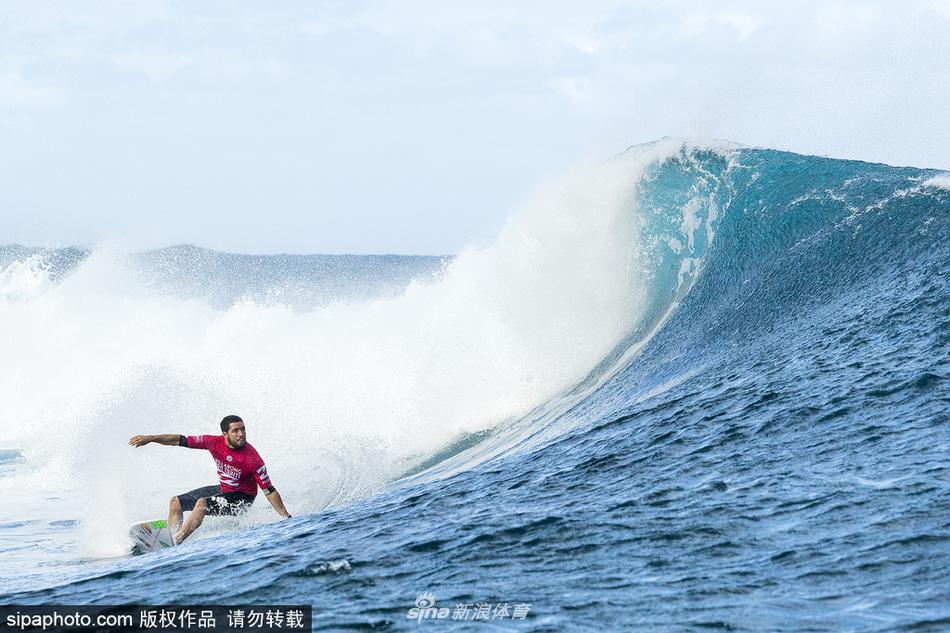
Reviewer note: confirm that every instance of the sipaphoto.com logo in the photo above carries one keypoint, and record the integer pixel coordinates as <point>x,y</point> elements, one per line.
<point>425,609</point>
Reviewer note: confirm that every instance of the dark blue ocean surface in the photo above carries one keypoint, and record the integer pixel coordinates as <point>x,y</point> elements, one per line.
<point>770,454</point>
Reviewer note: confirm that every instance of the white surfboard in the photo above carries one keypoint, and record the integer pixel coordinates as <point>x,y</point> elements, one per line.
<point>150,536</point>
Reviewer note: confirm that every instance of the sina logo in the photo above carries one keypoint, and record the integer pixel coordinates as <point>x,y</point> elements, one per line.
<point>425,609</point>
<point>230,459</point>
<point>424,600</point>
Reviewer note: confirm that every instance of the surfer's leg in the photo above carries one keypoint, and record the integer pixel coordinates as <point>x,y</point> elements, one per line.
<point>174,515</point>
<point>193,521</point>
<point>187,502</point>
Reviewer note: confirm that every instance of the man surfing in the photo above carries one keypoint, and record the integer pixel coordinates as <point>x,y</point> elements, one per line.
<point>239,469</point>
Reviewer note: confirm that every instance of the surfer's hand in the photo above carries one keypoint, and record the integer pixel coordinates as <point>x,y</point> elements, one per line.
<point>140,440</point>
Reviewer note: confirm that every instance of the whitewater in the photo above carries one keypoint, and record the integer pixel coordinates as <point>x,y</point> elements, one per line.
<point>694,387</point>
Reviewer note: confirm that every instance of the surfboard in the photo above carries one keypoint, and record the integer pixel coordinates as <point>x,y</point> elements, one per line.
<point>150,536</point>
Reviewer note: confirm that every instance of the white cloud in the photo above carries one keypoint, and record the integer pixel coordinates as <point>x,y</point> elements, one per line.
<point>16,93</point>
<point>839,21</point>
<point>698,24</point>
<point>157,65</point>
<point>940,7</point>
<point>744,24</point>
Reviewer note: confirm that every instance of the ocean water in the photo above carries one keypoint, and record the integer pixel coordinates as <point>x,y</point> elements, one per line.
<point>692,388</point>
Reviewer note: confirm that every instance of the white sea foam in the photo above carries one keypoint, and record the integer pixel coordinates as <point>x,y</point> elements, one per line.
<point>940,181</point>
<point>23,280</point>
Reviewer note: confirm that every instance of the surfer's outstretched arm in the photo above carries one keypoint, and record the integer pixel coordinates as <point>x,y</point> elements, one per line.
<point>274,497</point>
<point>167,440</point>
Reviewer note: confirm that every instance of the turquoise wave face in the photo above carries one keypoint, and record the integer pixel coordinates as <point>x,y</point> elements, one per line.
<point>765,450</point>
<point>809,254</point>
<point>805,236</point>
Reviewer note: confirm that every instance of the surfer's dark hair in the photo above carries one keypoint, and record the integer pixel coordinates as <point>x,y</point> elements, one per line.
<point>227,420</point>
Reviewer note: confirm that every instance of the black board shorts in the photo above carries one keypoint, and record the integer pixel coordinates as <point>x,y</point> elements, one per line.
<point>219,503</point>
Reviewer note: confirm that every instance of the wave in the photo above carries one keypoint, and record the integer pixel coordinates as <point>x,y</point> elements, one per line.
<point>641,271</point>
<point>366,388</point>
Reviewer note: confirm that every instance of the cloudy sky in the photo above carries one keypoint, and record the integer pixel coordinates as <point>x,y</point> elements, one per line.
<point>418,126</point>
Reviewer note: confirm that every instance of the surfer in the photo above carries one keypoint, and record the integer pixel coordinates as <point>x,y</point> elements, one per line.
<point>239,469</point>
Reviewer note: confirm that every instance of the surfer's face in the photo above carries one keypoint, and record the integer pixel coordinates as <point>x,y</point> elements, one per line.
<point>236,435</point>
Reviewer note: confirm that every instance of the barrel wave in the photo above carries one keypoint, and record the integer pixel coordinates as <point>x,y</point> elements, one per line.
<point>696,387</point>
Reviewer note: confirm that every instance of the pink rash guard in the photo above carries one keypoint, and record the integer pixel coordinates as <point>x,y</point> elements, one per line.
<point>238,469</point>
